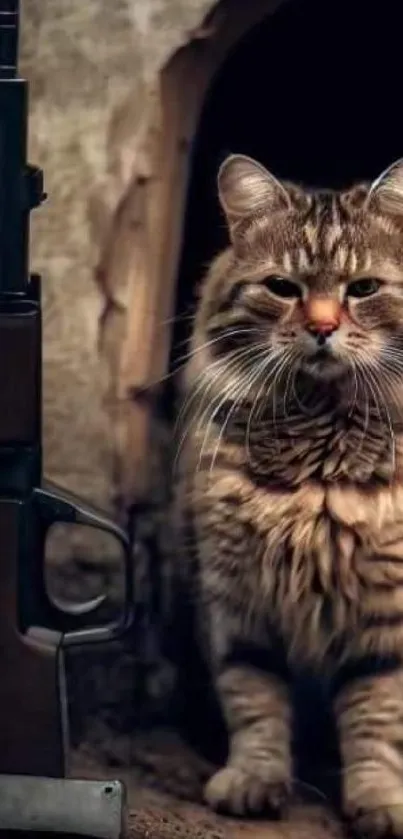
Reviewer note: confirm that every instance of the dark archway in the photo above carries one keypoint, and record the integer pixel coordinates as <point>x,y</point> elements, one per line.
<point>314,93</point>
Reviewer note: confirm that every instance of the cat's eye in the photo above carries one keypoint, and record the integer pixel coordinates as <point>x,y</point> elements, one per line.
<point>364,287</point>
<point>282,287</point>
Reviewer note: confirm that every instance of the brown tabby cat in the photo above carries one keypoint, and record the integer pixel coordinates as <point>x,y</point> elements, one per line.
<point>290,490</point>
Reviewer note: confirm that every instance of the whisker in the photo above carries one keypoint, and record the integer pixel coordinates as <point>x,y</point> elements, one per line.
<point>376,387</point>
<point>207,382</point>
<point>354,398</point>
<point>206,374</point>
<point>242,393</point>
<point>311,788</point>
<point>274,399</point>
<point>182,361</point>
<point>388,418</point>
<point>262,369</point>
<point>175,318</point>
<point>229,395</point>
<point>222,400</point>
<point>246,357</point>
<point>231,333</point>
<point>366,414</point>
<point>288,388</point>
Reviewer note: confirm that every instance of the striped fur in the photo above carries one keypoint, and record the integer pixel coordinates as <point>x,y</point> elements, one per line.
<point>289,499</point>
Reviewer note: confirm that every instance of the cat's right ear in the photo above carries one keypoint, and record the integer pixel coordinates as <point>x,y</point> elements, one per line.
<point>245,187</point>
<point>386,192</point>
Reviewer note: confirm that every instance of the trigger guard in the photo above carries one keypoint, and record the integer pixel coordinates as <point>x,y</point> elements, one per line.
<point>66,607</point>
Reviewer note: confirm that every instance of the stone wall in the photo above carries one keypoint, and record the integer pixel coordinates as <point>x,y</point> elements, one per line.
<point>93,69</point>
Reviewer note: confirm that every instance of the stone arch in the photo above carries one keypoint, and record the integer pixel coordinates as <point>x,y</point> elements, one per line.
<point>140,249</point>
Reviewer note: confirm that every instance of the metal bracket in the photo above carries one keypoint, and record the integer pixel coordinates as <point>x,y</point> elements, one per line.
<point>95,809</point>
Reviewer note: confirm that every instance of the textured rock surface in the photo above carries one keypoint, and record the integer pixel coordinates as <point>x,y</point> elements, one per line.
<point>93,68</point>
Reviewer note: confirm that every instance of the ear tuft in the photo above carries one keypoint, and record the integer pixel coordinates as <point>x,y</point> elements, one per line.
<point>386,191</point>
<point>245,187</point>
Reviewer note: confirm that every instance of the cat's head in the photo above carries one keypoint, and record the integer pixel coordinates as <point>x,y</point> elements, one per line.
<point>312,280</point>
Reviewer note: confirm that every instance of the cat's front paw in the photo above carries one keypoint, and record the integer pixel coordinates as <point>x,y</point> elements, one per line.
<point>375,812</point>
<point>237,792</point>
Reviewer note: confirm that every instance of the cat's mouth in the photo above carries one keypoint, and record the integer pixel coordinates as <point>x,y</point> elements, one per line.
<point>323,363</point>
<point>323,354</point>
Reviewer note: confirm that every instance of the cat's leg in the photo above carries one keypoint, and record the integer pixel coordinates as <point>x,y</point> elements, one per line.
<point>256,703</point>
<point>369,713</point>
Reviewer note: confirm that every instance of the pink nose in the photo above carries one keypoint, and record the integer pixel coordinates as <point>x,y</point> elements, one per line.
<point>322,315</point>
<point>324,328</point>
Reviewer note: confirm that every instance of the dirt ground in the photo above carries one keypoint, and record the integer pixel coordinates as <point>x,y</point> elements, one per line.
<point>164,802</point>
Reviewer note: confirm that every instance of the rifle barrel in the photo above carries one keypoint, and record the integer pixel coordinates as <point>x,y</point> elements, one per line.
<point>9,26</point>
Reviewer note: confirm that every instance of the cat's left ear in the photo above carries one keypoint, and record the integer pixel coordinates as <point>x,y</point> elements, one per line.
<point>245,188</point>
<point>386,192</point>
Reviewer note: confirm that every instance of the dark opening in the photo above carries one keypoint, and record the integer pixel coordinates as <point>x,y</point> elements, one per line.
<point>314,93</point>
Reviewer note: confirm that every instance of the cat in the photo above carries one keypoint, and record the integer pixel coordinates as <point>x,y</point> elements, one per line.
<point>289,492</point>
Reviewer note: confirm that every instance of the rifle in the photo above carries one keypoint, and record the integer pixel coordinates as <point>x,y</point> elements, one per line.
<point>34,629</point>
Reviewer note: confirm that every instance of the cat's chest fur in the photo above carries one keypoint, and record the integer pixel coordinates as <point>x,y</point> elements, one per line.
<point>322,560</point>
<point>324,446</point>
